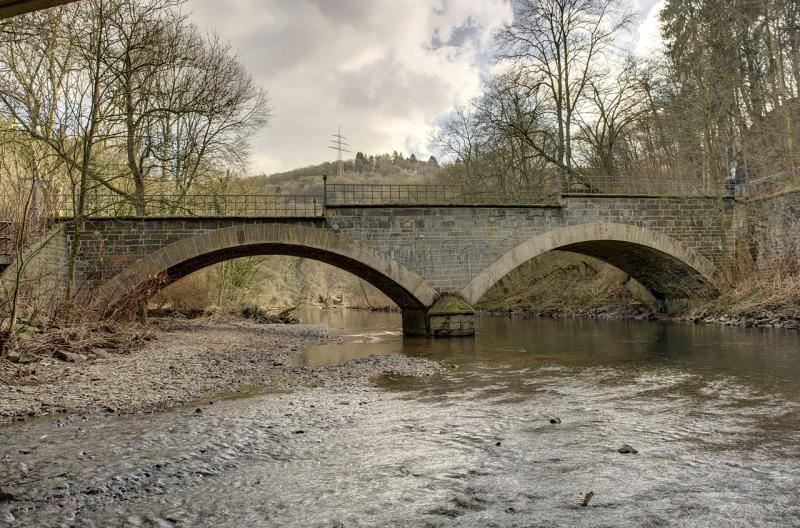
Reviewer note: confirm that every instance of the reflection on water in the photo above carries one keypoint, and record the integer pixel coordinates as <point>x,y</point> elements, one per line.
<point>766,357</point>
<point>713,412</point>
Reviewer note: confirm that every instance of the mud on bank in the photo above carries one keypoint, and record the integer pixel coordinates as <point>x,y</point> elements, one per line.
<point>185,361</point>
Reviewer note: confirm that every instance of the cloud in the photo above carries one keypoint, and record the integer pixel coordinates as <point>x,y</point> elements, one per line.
<point>384,70</point>
<point>648,39</point>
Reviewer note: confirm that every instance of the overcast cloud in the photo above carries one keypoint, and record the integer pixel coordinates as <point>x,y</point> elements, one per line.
<point>385,70</point>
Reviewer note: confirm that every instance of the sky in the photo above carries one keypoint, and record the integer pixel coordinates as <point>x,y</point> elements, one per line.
<point>385,71</point>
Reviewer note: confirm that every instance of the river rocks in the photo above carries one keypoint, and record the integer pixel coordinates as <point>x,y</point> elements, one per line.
<point>191,359</point>
<point>555,420</point>
<point>627,449</point>
<point>69,357</point>
<point>586,497</point>
<point>6,496</point>
<point>99,352</point>
<point>22,359</point>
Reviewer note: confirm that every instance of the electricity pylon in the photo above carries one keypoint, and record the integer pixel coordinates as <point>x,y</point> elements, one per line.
<point>339,145</point>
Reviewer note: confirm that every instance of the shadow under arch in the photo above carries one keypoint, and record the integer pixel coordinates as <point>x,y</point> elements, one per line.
<point>664,265</point>
<point>169,263</point>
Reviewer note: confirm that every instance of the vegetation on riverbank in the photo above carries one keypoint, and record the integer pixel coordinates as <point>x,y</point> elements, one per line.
<point>761,298</point>
<point>569,285</point>
<point>562,284</point>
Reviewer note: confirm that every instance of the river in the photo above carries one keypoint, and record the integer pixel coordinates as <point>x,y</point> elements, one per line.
<point>712,411</point>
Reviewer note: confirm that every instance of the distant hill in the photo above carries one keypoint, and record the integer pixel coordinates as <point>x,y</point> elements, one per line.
<point>380,169</point>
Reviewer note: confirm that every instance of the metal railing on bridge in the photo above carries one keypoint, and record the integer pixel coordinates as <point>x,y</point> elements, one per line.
<point>634,185</point>
<point>191,205</point>
<point>102,204</point>
<point>347,194</point>
<point>233,205</point>
<point>773,184</point>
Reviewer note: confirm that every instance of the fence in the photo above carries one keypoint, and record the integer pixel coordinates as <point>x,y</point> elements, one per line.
<point>236,205</point>
<point>372,194</point>
<point>627,185</point>
<point>772,184</point>
<point>278,205</point>
<point>193,205</point>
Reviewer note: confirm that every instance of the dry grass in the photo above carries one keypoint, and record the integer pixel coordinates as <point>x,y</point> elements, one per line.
<point>87,339</point>
<point>758,298</point>
<point>78,343</point>
<point>561,283</point>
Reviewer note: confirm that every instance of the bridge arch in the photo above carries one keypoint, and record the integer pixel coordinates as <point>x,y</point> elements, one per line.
<point>664,265</point>
<point>168,264</point>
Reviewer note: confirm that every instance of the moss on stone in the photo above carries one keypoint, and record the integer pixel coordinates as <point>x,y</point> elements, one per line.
<point>449,305</point>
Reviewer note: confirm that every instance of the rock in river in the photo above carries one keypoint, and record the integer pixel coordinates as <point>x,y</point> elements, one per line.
<point>586,498</point>
<point>69,357</point>
<point>627,449</point>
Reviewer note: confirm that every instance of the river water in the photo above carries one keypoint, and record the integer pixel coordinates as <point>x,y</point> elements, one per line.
<point>712,411</point>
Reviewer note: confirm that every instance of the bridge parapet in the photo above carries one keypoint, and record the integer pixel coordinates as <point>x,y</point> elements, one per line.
<point>349,195</point>
<point>313,204</point>
<point>443,246</point>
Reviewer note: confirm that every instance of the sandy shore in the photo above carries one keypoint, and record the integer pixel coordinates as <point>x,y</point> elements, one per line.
<point>186,361</point>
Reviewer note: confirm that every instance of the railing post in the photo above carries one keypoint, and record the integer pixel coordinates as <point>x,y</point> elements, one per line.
<point>558,184</point>
<point>324,192</point>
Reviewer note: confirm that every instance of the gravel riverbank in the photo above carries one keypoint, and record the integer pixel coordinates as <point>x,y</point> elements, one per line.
<point>185,361</point>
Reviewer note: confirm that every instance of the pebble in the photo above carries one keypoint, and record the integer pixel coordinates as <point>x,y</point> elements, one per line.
<point>195,358</point>
<point>586,498</point>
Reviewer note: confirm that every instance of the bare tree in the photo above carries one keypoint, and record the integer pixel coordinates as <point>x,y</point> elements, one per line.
<point>557,44</point>
<point>216,106</point>
<point>616,104</point>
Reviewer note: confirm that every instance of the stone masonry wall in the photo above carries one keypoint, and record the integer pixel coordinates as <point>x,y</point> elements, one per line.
<point>108,246</point>
<point>44,269</point>
<point>447,246</point>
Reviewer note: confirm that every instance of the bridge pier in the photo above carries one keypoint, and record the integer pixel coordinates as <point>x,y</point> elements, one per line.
<point>450,316</point>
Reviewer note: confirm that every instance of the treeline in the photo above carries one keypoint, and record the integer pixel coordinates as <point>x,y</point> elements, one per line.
<point>124,97</point>
<point>394,168</point>
<point>720,103</point>
<point>115,105</point>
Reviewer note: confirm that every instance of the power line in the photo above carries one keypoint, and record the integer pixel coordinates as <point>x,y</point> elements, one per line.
<point>339,145</point>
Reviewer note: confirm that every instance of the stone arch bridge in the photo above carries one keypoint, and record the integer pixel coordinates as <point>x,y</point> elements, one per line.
<point>434,254</point>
